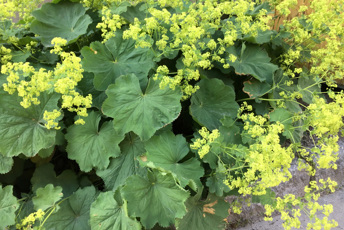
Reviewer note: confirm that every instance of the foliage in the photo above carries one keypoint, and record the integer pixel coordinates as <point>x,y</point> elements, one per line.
<point>146,114</point>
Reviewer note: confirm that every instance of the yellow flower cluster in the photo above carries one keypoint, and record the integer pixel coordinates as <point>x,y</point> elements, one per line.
<point>203,144</point>
<point>267,161</point>
<point>18,9</point>
<point>190,32</point>
<point>320,33</point>
<point>58,43</point>
<point>50,118</point>
<point>94,4</point>
<point>110,23</point>
<point>28,221</point>
<point>283,6</point>
<point>326,129</point>
<point>183,75</point>
<point>5,55</point>
<point>30,83</point>
<point>290,207</point>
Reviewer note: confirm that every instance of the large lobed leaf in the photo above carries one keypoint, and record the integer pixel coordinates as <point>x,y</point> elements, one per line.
<point>6,164</point>
<point>216,179</point>
<point>45,175</point>
<point>252,60</point>
<point>114,58</point>
<point>255,88</point>
<point>212,102</point>
<point>22,130</point>
<point>46,197</point>
<point>141,112</point>
<point>91,146</point>
<point>106,213</point>
<point>65,19</point>
<point>155,198</point>
<point>74,213</point>
<point>167,150</point>
<point>8,206</point>
<point>120,168</point>
<point>204,214</point>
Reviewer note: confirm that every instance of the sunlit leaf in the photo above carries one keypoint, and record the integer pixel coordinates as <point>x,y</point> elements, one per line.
<point>215,182</point>
<point>212,102</point>
<point>120,168</point>
<point>252,60</point>
<point>268,198</point>
<point>65,19</point>
<point>8,206</point>
<point>167,150</point>
<point>308,86</point>
<point>255,88</point>
<point>74,212</point>
<point>114,58</point>
<point>46,197</point>
<point>92,146</point>
<point>204,214</point>
<point>22,130</point>
<point>141,112</point>
<point>106,213</point>
<point>6,164</point>
<point>157,193</point>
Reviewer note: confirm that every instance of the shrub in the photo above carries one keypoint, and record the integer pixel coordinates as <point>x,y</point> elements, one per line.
<point>139,114</point>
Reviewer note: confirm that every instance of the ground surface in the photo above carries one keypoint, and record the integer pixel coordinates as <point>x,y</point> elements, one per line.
<point>336,199</point>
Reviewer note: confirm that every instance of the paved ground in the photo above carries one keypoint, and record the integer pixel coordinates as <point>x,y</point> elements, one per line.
<point>336,199</point>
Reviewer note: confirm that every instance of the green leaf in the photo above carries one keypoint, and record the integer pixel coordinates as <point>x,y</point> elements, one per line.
<point>216,73</point>
<point>211,158</point>
<point>280,84</point>
<point>261,38</point>
<point>22,130</point>
<point>292,129</point>
<point>8,206</point>
<point>20,56</point>
<point>252,60</point>
<point>45,57</point>
<point>155,199</point>
<point>87,87</point>
<point>7,30</point>
<point>91,146</point>
<point>65,19</point>
<point>204,214</point>
<point>125,165</point>
<point>268,198</point>
<point>213,101</point>
<point>106,213</point>
<point>281,115</point>
<point>46,197</point>
<point>119,7</point>
<point>167,150</point>
<point>137,11</point>
<point>230,132</point>
<point>25,208</point>
<point>74,213</point>
<point>142,113</point>
<point>45,174</point>
<point>258,7</point>
<point>6,164</point>
<point>3,80</point>
<point>255,88</point>
<point>114,58</point>
<point>309,87</point>
<point>284,117</point>
<point>44,153</point>
<point>215,181</point>
<point>17,170</point>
